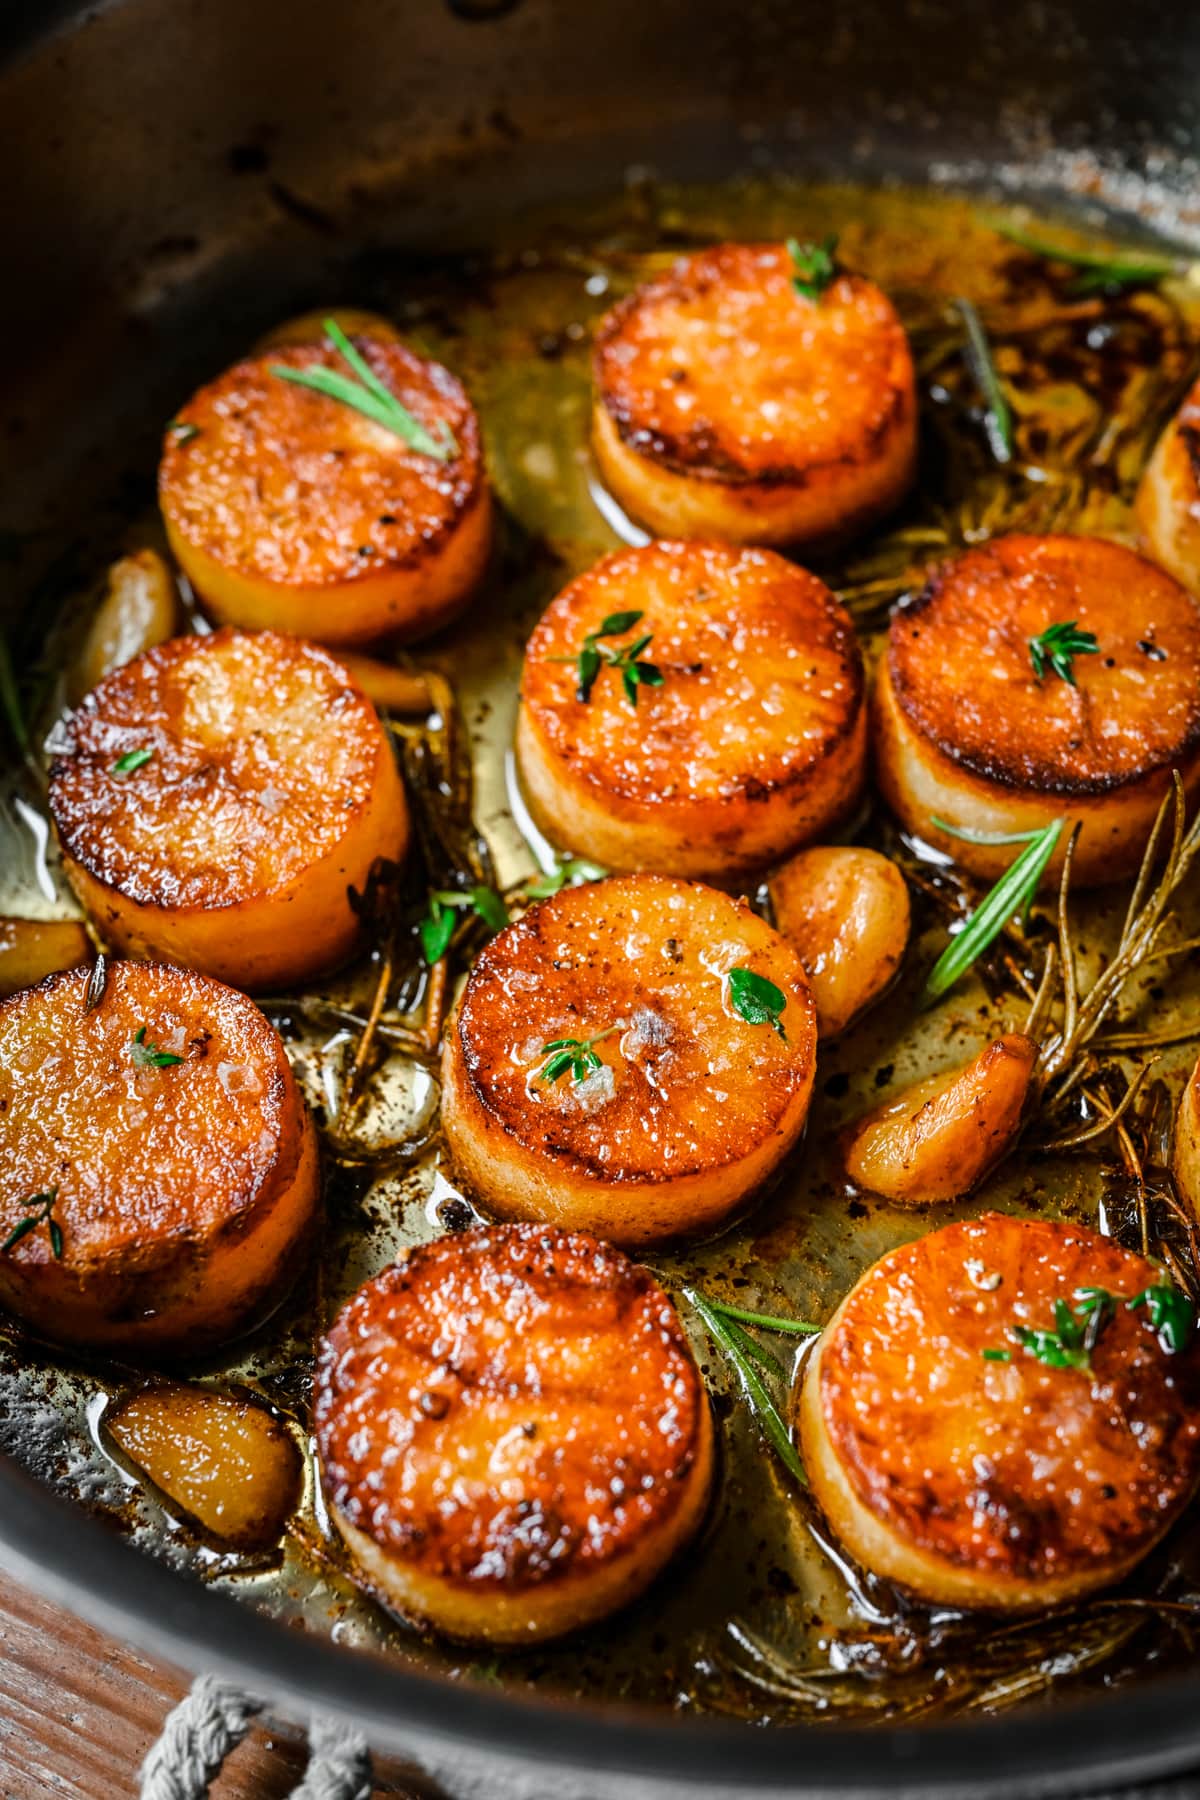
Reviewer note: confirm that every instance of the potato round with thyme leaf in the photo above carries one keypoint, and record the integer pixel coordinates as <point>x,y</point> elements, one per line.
<point>988,1422</point>
<point>220,801</point>
<point>291,509</point>
<point>1034,679</point>
<point>633,1057</point>
<point>514,1436</point>
<point>724,723</point>
<point>729,405</point>
<point>158,1167</point>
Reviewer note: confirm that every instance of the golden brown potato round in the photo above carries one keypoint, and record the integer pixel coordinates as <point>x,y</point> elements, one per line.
<point>514,1436</point>
<point>1004,1484</point>
<point>754,743</point>
<point>31,949</point>
<point>290,510</point>
<point>270,793</point>
<point>159,1143</point>
<point>937,1140</point>
<point>1168,496</point>
<point>967,733</point>
<point>846,910</point>
<point>730,406</point>
<point>225,1462</point>
<point>683,1106</point>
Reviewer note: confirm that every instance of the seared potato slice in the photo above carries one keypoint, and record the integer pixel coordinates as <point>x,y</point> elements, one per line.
<point>846,910</point>
<point>951,1459</point>
<point>937,1140</point>
<point>674,1107</point>
<point>1168,496</point>
<point>31,949</point>
<point>967,733</point>
<point>514,1436</point>
<point>269,793</point>
<point>754,742</point>
<point>140,608</point>
<point>161,1148</point>
<point>730,406</point>
<point>225,1462</point>
<point>291,510</point>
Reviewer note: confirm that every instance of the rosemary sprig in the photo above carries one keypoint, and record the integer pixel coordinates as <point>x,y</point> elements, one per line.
<point>572,871</point>
<point>1103,271</point>
<point>969,836</point>
<point>761,1403</point>
<point>440,922</point>
<point>367,394</point>
<point>577,1054</point>
<point>1011,894</point>
<point>1057,646</point>
<point>997,416</point>
<point>815,266</point>
<point>766,1321</point>
<point>145,1055</point>
<point>757,1000</point>
<point>39,1210</point>
<point>132,759</point>
<point>597,655</point>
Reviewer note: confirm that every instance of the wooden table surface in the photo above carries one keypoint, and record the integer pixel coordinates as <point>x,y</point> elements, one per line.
<point>78,1711</point>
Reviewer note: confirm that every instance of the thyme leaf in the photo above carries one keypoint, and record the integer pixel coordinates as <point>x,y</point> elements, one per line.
<point>571,872</point>
<point>577,1054</point>
<point>597,655</point>
<point>815,266</point>
<point>1077,1329</point>
<point>1057,646</point>
<point>439,924</point>
<point>39,1209</point>
<point>997,415</point>
<point>757,1394</point>
<point>1011,894</point>
<point>364,391</point>
<point>132,759</point>
<point>1172,1315</point>
<point>146,1055</point>
<point>757,1000</point>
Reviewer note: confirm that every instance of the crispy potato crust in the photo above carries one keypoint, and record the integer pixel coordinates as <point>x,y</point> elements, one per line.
<point>288,509</point>
<point>692,1107</point>
<point>755,742</point>
<point>998,1484</point>
<point>185,1194</point>
<point>272,791</point>
<point>966,732</point>
<point>513,1433</point>
<point>847,912</point>
<point>729,405</point>
<point>1168,496</point>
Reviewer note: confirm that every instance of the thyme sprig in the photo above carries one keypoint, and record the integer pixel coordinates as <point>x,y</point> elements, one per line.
<point>1102,271</point>
<point>1012,894</point>
<point>1057,646</point>
<point>577,1054</point>
<point>627,660</point>
<point>748,1359</point>
<point>146,1055</point>
<point>39,1210</point>
<point>1079,1325</point>
<point>367,394</point>
<point>441,921</point>
<point>815,265</point>
<point>997,414</point>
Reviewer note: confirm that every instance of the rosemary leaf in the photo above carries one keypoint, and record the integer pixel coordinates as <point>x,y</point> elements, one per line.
<point>767,1321</point>
<point>760,1401</point>
<point>367,394</point>
<point>1014,891</point>
<point>997,417</point>
<point>132,759</point>
<point>985,837</point>
<point>1102,269</point>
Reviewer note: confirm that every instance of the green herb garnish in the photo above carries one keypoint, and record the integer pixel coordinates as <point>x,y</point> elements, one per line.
<point>766,1321</point>
<point>757,1000</point>
<point>985,837</point>
<point>438,925</point>
<point>39,1210</point>
<point>183,431</point>
<point>148,1056</point>
<point>1012,893</point>
<point>132,759</point>
<point>576,1054</point>
<point>814,264</point>
<point>1076,1332</point>
<point>733,1343</point>
<point>368,395</point>
<point>997,415</point>
<point>997,1356</point>
<point>1102,269</point>
<point>1172,1315</point>
<point>597,655</point>
<point>569,873</point>
<point>10,699</point>
<point>1057,646</point>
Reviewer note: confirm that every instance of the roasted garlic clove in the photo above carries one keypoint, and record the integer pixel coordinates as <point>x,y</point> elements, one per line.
<point>846,911</point>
